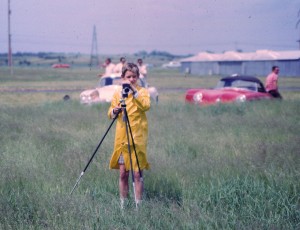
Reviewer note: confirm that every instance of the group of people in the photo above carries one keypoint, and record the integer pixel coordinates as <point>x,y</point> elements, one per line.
<point>111,68</point>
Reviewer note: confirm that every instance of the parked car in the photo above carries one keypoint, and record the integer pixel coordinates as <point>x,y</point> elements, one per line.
<point>172,64</point>
<point>60,66</point>
<point>107,86</point>
<point>229,89</point>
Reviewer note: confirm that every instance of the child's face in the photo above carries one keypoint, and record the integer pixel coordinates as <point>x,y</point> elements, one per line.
<point>131,77</point>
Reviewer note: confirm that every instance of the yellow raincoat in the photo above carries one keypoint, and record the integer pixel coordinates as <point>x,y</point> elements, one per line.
<point>136,109</point>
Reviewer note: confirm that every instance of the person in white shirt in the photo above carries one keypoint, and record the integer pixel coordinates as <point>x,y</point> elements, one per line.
<point>119,66</point>
<point>109,68</point>
<point>142,68</point>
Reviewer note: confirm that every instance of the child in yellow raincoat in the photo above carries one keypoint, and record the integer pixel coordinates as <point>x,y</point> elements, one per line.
<point>137,103</point>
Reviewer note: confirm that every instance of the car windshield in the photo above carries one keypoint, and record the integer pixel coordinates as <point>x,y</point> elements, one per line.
<point>118,81</point>
<point>253,86</point>
<point>109,81</point>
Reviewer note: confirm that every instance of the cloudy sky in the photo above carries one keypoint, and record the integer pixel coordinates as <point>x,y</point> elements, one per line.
<point>128,26</point>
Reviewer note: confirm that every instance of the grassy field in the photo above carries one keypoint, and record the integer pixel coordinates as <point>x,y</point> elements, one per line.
<point>220,167</point>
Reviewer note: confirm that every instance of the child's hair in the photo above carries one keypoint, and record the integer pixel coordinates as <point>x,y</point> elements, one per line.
<point>131,67</point>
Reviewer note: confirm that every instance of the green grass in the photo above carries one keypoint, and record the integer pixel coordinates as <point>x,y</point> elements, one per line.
<point>219,167</point>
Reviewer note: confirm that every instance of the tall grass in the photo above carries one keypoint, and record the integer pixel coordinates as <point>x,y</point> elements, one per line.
<point>226,166</point>
<point>230,166</point>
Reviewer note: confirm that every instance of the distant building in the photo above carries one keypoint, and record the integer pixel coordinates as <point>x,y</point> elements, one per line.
<point>257,63</point>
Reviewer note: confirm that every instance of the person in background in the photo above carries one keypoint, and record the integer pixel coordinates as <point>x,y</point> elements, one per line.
<point>109,68</point>
<point>272,83</point>
<point>142,67</point>
<point>137,103</point>
<point>119,66</point>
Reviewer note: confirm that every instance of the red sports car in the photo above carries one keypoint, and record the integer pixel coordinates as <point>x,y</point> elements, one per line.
<point>228,90</point>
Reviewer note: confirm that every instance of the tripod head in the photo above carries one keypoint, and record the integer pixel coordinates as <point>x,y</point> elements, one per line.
<point>122,102</point>
<point>123,106</point>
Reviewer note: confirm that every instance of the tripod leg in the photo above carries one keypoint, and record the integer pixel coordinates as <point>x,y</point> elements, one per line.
<point>133,144</point>
<point>140,184</point>
<point>81,174</point>
<point>130,158</point>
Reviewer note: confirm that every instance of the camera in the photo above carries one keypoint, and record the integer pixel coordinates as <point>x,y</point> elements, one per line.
<point>125,90</point>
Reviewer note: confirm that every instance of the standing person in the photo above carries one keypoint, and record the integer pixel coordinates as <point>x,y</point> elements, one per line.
<point>142,67</point>
<point>109,68</point>
<point>119,66</point>
<point>137,103</point>
<point>272,83</point>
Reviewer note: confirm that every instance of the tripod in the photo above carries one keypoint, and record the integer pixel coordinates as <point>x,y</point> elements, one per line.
<point>128,133</point>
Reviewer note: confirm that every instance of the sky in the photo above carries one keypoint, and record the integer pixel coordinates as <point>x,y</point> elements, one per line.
<point>128,26</point>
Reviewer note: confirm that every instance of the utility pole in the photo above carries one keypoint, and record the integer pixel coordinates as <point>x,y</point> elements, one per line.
<point>297,27</point>
<point>9,54</point>
<point>94,51</point>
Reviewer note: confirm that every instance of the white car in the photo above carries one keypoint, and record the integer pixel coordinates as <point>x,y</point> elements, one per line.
<point>104,91</point>
<point>172,64</point>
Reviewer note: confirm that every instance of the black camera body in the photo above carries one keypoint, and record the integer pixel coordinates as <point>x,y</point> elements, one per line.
<point>125,90</point>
